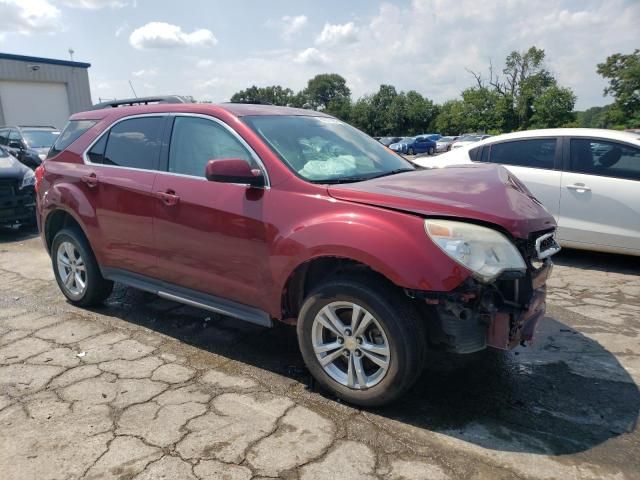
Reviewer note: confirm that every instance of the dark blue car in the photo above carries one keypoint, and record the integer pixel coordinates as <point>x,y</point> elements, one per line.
<point>415,145</point>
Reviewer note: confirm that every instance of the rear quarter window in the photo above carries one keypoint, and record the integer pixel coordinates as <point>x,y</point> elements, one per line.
<point>72,131</point>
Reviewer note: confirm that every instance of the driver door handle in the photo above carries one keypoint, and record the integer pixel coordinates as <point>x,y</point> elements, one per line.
<point>91,180</point>
<point>169,198</point>
<point>579,187</point>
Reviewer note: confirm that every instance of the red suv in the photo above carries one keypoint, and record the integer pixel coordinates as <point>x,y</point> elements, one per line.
<point>267,213</point>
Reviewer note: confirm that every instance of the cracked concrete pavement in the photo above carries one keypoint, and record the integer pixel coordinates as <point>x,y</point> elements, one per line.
<point>144,388</point>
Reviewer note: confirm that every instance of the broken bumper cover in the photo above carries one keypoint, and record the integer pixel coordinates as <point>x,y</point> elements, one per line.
<point>18,208</point>
<point>501,315</point>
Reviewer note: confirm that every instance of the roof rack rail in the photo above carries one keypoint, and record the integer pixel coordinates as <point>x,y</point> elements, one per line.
<point>251,102</point>
<point>128,102</point>
<point>36,126</point>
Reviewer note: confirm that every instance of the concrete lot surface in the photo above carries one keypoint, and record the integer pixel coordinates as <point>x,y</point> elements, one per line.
<point>148,389</point>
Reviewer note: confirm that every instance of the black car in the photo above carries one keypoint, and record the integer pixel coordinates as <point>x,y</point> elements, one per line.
<point>17,199</point>
<point>29,144</point>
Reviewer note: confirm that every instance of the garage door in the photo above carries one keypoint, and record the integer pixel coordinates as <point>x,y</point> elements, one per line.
<point>34,103</point>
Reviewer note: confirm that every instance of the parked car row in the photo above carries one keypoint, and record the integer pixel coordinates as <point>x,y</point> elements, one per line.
<point>588,179</point>
<point>429,143</point>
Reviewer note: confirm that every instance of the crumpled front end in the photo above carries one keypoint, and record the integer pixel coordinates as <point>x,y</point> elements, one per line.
<point>501,314</point>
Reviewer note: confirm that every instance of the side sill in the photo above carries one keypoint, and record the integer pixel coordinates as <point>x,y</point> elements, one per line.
<point>189,297</point>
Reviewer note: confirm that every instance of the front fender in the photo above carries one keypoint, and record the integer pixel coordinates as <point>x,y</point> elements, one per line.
<point>392,243</point>
<point>70,198</point>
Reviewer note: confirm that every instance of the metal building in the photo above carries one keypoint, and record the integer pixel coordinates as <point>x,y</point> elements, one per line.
<point>41,91</point>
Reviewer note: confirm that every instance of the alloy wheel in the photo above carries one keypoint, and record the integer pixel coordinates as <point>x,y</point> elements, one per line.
<point>72,269</point>
<point>350,345</point>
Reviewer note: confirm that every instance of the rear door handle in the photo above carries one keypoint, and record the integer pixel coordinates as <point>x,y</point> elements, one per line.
<point>169,198</point>
<point>579,187</point>
<point>91,180</point>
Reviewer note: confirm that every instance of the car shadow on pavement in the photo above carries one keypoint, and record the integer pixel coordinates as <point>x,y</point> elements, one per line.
<point>610,262</point>
<point>11,234</point>
<point>565,394</point>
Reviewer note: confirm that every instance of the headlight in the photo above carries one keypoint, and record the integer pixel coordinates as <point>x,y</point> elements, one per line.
<point>28,180</point>
<point>484,251</point>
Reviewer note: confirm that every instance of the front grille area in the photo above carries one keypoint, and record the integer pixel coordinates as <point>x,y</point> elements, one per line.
<point>8,189</point>
<point>16,205</point>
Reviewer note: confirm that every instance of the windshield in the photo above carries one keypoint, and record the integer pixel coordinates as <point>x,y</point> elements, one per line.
<point>40,138</point>
<point>469,138</point>
<point>325,150</point>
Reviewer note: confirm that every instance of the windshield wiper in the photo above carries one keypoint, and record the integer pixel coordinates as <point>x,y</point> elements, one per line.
<point>333,181</point>
<point>393,172</point>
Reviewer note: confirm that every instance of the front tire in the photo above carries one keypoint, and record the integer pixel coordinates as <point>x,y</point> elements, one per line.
<point>431,151</point>
<point>76,269</point>
<point>411,151</point>
<point>361,339</point>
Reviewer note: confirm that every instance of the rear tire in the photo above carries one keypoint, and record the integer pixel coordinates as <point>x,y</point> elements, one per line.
<point>431,151</point>
<point>76,269</point>
<point>394,335</point>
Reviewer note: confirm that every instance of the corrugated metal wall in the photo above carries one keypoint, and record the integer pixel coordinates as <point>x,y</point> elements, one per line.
<point>76,80</point>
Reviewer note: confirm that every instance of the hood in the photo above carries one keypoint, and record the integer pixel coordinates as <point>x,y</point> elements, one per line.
<point>10,167</point>
<point>482,192</point>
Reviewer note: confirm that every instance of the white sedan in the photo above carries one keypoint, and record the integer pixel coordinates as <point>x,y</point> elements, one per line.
<point>588,179</point>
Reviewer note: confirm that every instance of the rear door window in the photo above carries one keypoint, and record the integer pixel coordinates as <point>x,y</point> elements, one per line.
<point>605,158</point>
<point>135,143</point>
<point>4,136</point>
<point>73,131</point>
<point>533,153</point>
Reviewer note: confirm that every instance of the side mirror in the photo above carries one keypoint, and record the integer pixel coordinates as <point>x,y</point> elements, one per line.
<point>14,144</point>
<point>234,170</point>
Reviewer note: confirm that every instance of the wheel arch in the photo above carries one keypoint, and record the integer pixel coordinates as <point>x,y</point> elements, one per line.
<point>312,272</point>
<point>56,220</point>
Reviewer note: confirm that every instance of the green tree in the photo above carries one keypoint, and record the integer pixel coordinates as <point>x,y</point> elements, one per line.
<point>363,115</point>
<point>623,74</point>
<point>594,117</point>
<point>420,113</point>
<point>553,108</point>
<point>450,119</point>
<point>325,89</point>
<point>483,110</point>
<point>523,83</point>
<point>274,94</point>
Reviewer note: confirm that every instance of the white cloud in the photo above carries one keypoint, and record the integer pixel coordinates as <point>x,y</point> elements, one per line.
<point>166,35</point>
<point>204,63</point>
<point>311,56</point>
<point>95,4</point>
<point>121,29</point>
<point>205,84</point>
<point>293,24</point>
<point>145,73</point>
<point>423,45</point>
<point>332,35</point>
<point>28,16</point>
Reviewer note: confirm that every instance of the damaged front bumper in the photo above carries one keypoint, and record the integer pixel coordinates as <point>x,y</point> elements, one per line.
<point>475,316</point>
<point>17,206</point>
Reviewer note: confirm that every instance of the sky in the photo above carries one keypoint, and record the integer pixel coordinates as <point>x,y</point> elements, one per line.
<point>212,48</point>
